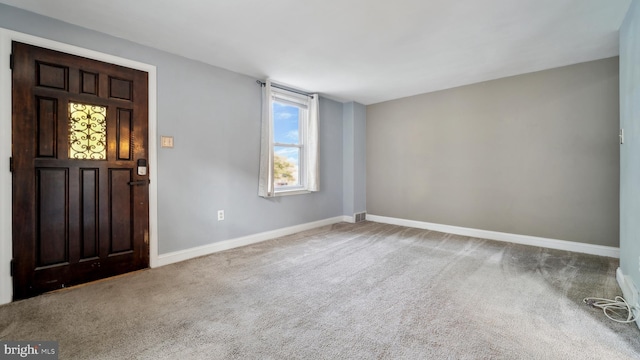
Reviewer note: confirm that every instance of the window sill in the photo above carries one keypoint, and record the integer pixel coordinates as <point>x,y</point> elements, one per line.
<point>288,192</point>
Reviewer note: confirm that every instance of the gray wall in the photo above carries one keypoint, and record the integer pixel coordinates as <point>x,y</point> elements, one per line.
<point>534,154</point>
<point>214,116</point>
<point>354,158</point>
<point>630,151</point>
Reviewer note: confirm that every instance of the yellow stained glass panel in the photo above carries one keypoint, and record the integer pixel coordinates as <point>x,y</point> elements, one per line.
<point>87,132</point>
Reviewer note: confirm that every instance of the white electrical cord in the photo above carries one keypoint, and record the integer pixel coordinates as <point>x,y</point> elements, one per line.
<point>612,308</point>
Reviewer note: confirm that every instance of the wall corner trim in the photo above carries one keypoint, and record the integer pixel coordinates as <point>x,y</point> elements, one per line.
<point>182,255</point>
<point>628,289</point>
<point>600,250</point>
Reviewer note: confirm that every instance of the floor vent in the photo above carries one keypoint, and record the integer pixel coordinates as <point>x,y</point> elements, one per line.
<point>361,217</point>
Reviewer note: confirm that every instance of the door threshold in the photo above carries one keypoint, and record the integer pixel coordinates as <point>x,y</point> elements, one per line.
<point>95,281</point>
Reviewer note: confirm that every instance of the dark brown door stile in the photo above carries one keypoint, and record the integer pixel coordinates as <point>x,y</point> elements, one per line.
<point>79,127</point>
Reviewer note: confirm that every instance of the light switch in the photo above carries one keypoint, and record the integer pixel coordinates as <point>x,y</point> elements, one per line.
<point>166,141</point>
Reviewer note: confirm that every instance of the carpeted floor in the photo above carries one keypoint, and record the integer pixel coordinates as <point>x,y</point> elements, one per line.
<point>347,291</point>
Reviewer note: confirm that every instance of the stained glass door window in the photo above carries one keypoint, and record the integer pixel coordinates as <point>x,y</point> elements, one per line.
<point>87,132</point>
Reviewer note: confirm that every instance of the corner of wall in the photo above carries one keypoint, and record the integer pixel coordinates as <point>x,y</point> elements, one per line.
<point>360,158</point>
<point>347,159</point>
<point>354,158</point>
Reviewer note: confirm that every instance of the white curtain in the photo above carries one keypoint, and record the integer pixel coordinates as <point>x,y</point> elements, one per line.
<point>265,185</point>
<point>312,147</point>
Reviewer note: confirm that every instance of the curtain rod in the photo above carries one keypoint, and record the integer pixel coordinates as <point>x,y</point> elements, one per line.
<point>286,88</point>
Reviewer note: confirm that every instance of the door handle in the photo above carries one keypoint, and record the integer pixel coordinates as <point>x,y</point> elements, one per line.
<point>139,182</point>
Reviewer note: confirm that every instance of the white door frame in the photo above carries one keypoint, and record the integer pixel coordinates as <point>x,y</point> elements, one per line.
<point>6,37</point>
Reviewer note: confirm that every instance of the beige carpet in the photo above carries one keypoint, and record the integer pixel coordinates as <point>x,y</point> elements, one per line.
<point>363,291</point>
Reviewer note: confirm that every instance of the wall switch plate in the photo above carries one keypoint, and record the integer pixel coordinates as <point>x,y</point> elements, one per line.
<point>220,215</point>
<point>166,141</point>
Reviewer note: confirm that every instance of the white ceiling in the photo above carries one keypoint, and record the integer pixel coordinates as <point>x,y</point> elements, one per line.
<point>363,50</point>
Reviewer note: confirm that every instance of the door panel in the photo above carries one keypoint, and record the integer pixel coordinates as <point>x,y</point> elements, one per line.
<point>53,76</point>
<point>90,213</point>
<point>124,134</point>
<point>120,205</point>
<point>80,209</point>
<point>52,242</point>
<point>47,124</point>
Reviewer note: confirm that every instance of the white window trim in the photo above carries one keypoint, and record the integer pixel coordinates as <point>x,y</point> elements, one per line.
<point>301,102</point>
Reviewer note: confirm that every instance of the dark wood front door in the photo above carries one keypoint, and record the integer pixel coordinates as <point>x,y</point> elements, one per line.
<point>80,194</point>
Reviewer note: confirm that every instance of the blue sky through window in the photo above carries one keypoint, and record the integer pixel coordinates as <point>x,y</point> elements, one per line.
<point>285,123</point>
<point>286,130</point>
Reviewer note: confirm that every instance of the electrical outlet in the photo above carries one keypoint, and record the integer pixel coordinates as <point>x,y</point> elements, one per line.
<point>220,215</point>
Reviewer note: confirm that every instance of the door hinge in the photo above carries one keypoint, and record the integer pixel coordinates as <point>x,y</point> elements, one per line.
<point>11,61</point>
<point>12,269</point>
<point>11,164</point>
<point>621,136</point>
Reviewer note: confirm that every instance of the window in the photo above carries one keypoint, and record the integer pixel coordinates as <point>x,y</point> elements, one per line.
<point>289,118</point>
<point>289,150</point>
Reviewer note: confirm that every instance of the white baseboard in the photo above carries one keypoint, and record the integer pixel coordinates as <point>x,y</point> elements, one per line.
<point>608,251</point>
<point>629,293</point>
<point>349,219</point>
<point>181,255</point>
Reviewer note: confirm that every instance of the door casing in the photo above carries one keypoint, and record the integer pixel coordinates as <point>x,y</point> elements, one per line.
<point>6,37</point>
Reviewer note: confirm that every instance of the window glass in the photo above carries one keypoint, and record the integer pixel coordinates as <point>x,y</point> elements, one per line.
<point>286,123</point>
<point>286,166</point>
